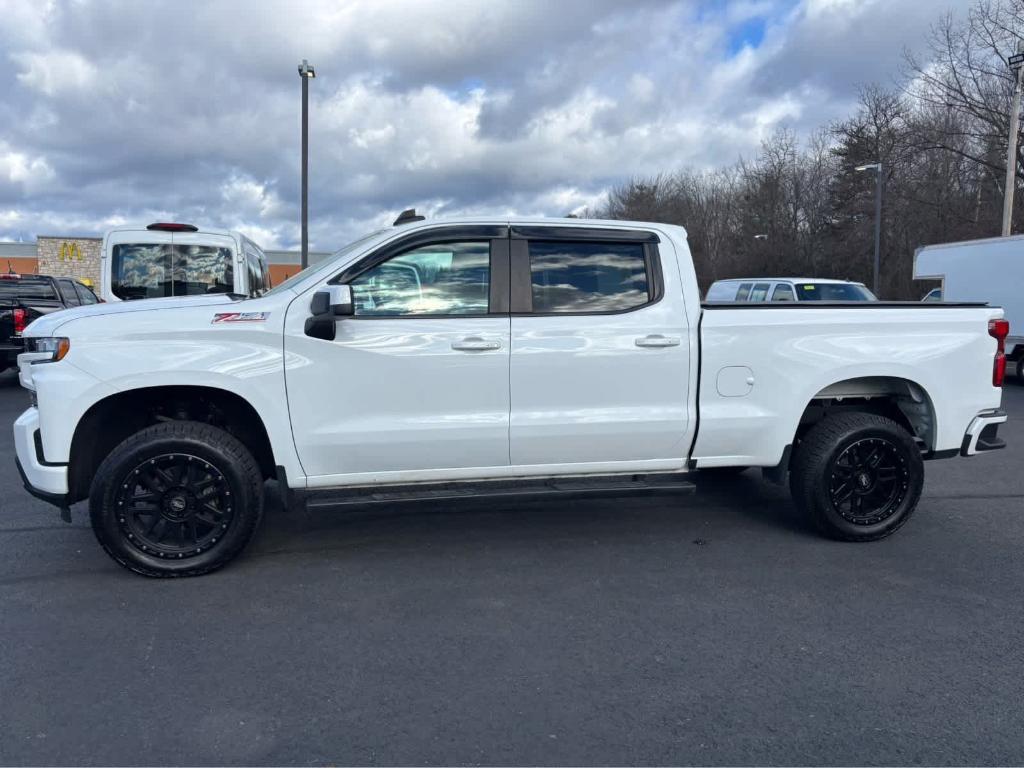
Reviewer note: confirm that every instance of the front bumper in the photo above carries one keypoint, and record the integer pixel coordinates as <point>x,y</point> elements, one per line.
<point>982,433</point>
<point>43,479</point>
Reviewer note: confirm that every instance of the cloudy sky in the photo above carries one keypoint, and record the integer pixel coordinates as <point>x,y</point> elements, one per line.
<point>129,112</point>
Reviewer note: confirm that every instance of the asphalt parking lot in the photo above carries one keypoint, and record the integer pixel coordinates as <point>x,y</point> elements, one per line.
<point>655,630</point>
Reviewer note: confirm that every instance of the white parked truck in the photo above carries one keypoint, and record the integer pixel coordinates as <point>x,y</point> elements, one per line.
<point>490,356</point>
<point>990,270</point>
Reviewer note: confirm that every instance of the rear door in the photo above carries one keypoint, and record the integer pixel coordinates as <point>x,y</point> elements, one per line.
<point>600,359</point>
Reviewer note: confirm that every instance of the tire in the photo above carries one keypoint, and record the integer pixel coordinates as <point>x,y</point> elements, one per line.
<point>178,498</point>
<point>1019,370</point>
<point>854,456</point>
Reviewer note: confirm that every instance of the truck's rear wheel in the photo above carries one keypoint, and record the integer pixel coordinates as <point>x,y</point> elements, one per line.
<point>179,498</point>
<point>858,476</point>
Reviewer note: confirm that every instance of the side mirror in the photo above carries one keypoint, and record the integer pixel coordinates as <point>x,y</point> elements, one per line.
<point>327,305</point>
<point>333,300</point>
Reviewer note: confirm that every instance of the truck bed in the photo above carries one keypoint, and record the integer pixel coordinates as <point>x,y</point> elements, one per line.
<point>757,376</point>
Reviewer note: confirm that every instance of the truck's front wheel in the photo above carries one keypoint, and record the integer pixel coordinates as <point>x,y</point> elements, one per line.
<point>857,475</point>
<point>179,498</point>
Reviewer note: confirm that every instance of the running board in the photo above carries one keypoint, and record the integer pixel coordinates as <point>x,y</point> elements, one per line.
<point>566,486</point>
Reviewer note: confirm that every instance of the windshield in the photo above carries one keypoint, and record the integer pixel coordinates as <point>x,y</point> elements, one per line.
<point>833,292</point>
<point>154,270</point>
<point>303,274</point>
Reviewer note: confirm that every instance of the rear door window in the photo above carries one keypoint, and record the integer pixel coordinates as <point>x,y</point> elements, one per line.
<point>583,277</point>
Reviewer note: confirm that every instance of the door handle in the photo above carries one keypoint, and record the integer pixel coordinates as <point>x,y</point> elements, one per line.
<point>475,344</point>
<point>657,340</point>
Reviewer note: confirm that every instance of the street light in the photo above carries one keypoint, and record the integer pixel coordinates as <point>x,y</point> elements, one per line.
<point>307,73</point>
<point>877,168</point>
<point>1016,64</point>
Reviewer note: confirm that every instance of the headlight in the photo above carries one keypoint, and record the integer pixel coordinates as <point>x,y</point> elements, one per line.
<point>57,347</point>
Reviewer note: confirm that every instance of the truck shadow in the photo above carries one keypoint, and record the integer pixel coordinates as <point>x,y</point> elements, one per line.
<point>721,508</point>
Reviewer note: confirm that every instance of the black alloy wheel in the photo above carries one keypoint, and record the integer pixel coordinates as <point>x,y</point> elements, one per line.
<point>857,475</point>
<point>175,505</point>
<point>869,480</point>
<point>179,498</point>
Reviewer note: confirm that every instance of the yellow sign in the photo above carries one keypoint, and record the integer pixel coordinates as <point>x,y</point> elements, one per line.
<point>70,252</point>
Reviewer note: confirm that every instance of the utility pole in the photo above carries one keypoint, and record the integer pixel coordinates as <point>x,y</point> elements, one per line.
<point>307,73</point>
<point>1016,63</point>
<point>877,167</point>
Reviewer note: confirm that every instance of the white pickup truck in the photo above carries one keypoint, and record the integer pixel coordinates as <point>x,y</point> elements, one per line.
<point>490,356</point>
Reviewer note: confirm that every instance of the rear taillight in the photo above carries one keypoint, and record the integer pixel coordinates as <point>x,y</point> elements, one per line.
<point>19,321</point>
<point>999,330</point>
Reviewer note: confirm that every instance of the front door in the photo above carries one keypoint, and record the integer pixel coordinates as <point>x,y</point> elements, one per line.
<point>415,385</point>
<point>600,352</point>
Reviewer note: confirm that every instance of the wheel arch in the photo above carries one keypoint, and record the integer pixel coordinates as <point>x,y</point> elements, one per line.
<point>108,421</point>
<point>903,400</point>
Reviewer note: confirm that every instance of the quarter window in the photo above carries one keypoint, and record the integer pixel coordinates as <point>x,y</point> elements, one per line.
<point>441,279</point>
<point>743,293</point>
<point>568,277</point>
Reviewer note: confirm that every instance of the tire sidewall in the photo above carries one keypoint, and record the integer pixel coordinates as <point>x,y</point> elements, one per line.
<point>821,498</point>
<point>105,519</point>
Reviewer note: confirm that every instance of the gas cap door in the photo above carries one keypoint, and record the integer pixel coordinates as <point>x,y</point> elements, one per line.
<point>735,381</point>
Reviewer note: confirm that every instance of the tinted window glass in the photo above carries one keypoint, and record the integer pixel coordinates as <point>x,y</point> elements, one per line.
<point>148,270</point>
<point>85,295</point>
<point>27,289</point>
<point>443,279</point>
<point>721,292</point>
<point>587,277</point>
<point>67,292</point>
<point>202,269</point>
<point>783,292</point>
<point>759,292</point>
<point>743,293</point>
<point>833,292</point>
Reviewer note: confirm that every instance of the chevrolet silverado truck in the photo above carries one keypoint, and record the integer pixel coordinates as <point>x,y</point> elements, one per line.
<point>490,356</point>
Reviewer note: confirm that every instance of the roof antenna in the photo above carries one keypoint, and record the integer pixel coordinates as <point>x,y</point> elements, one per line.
<point>409,214</point>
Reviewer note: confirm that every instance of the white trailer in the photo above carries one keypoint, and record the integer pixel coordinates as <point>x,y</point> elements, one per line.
<point>989,270</point>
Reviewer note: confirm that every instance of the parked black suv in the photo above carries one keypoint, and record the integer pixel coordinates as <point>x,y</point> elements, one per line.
<point>24,298</point>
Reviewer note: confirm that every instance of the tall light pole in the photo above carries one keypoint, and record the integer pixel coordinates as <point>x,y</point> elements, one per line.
<point>1016,63</point>
<point>307,73</point>
<point>877,167</point>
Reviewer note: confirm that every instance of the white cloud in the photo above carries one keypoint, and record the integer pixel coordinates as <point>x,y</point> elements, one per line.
<point>56,73</point>
<point>118,111</point>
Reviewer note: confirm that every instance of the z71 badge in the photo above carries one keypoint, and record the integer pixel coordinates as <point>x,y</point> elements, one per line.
<point>240,317</point>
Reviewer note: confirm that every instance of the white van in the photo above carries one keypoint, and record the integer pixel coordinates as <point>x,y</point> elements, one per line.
<point>170,259</point>
<point>989,270</point>
<point>756,289</point>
